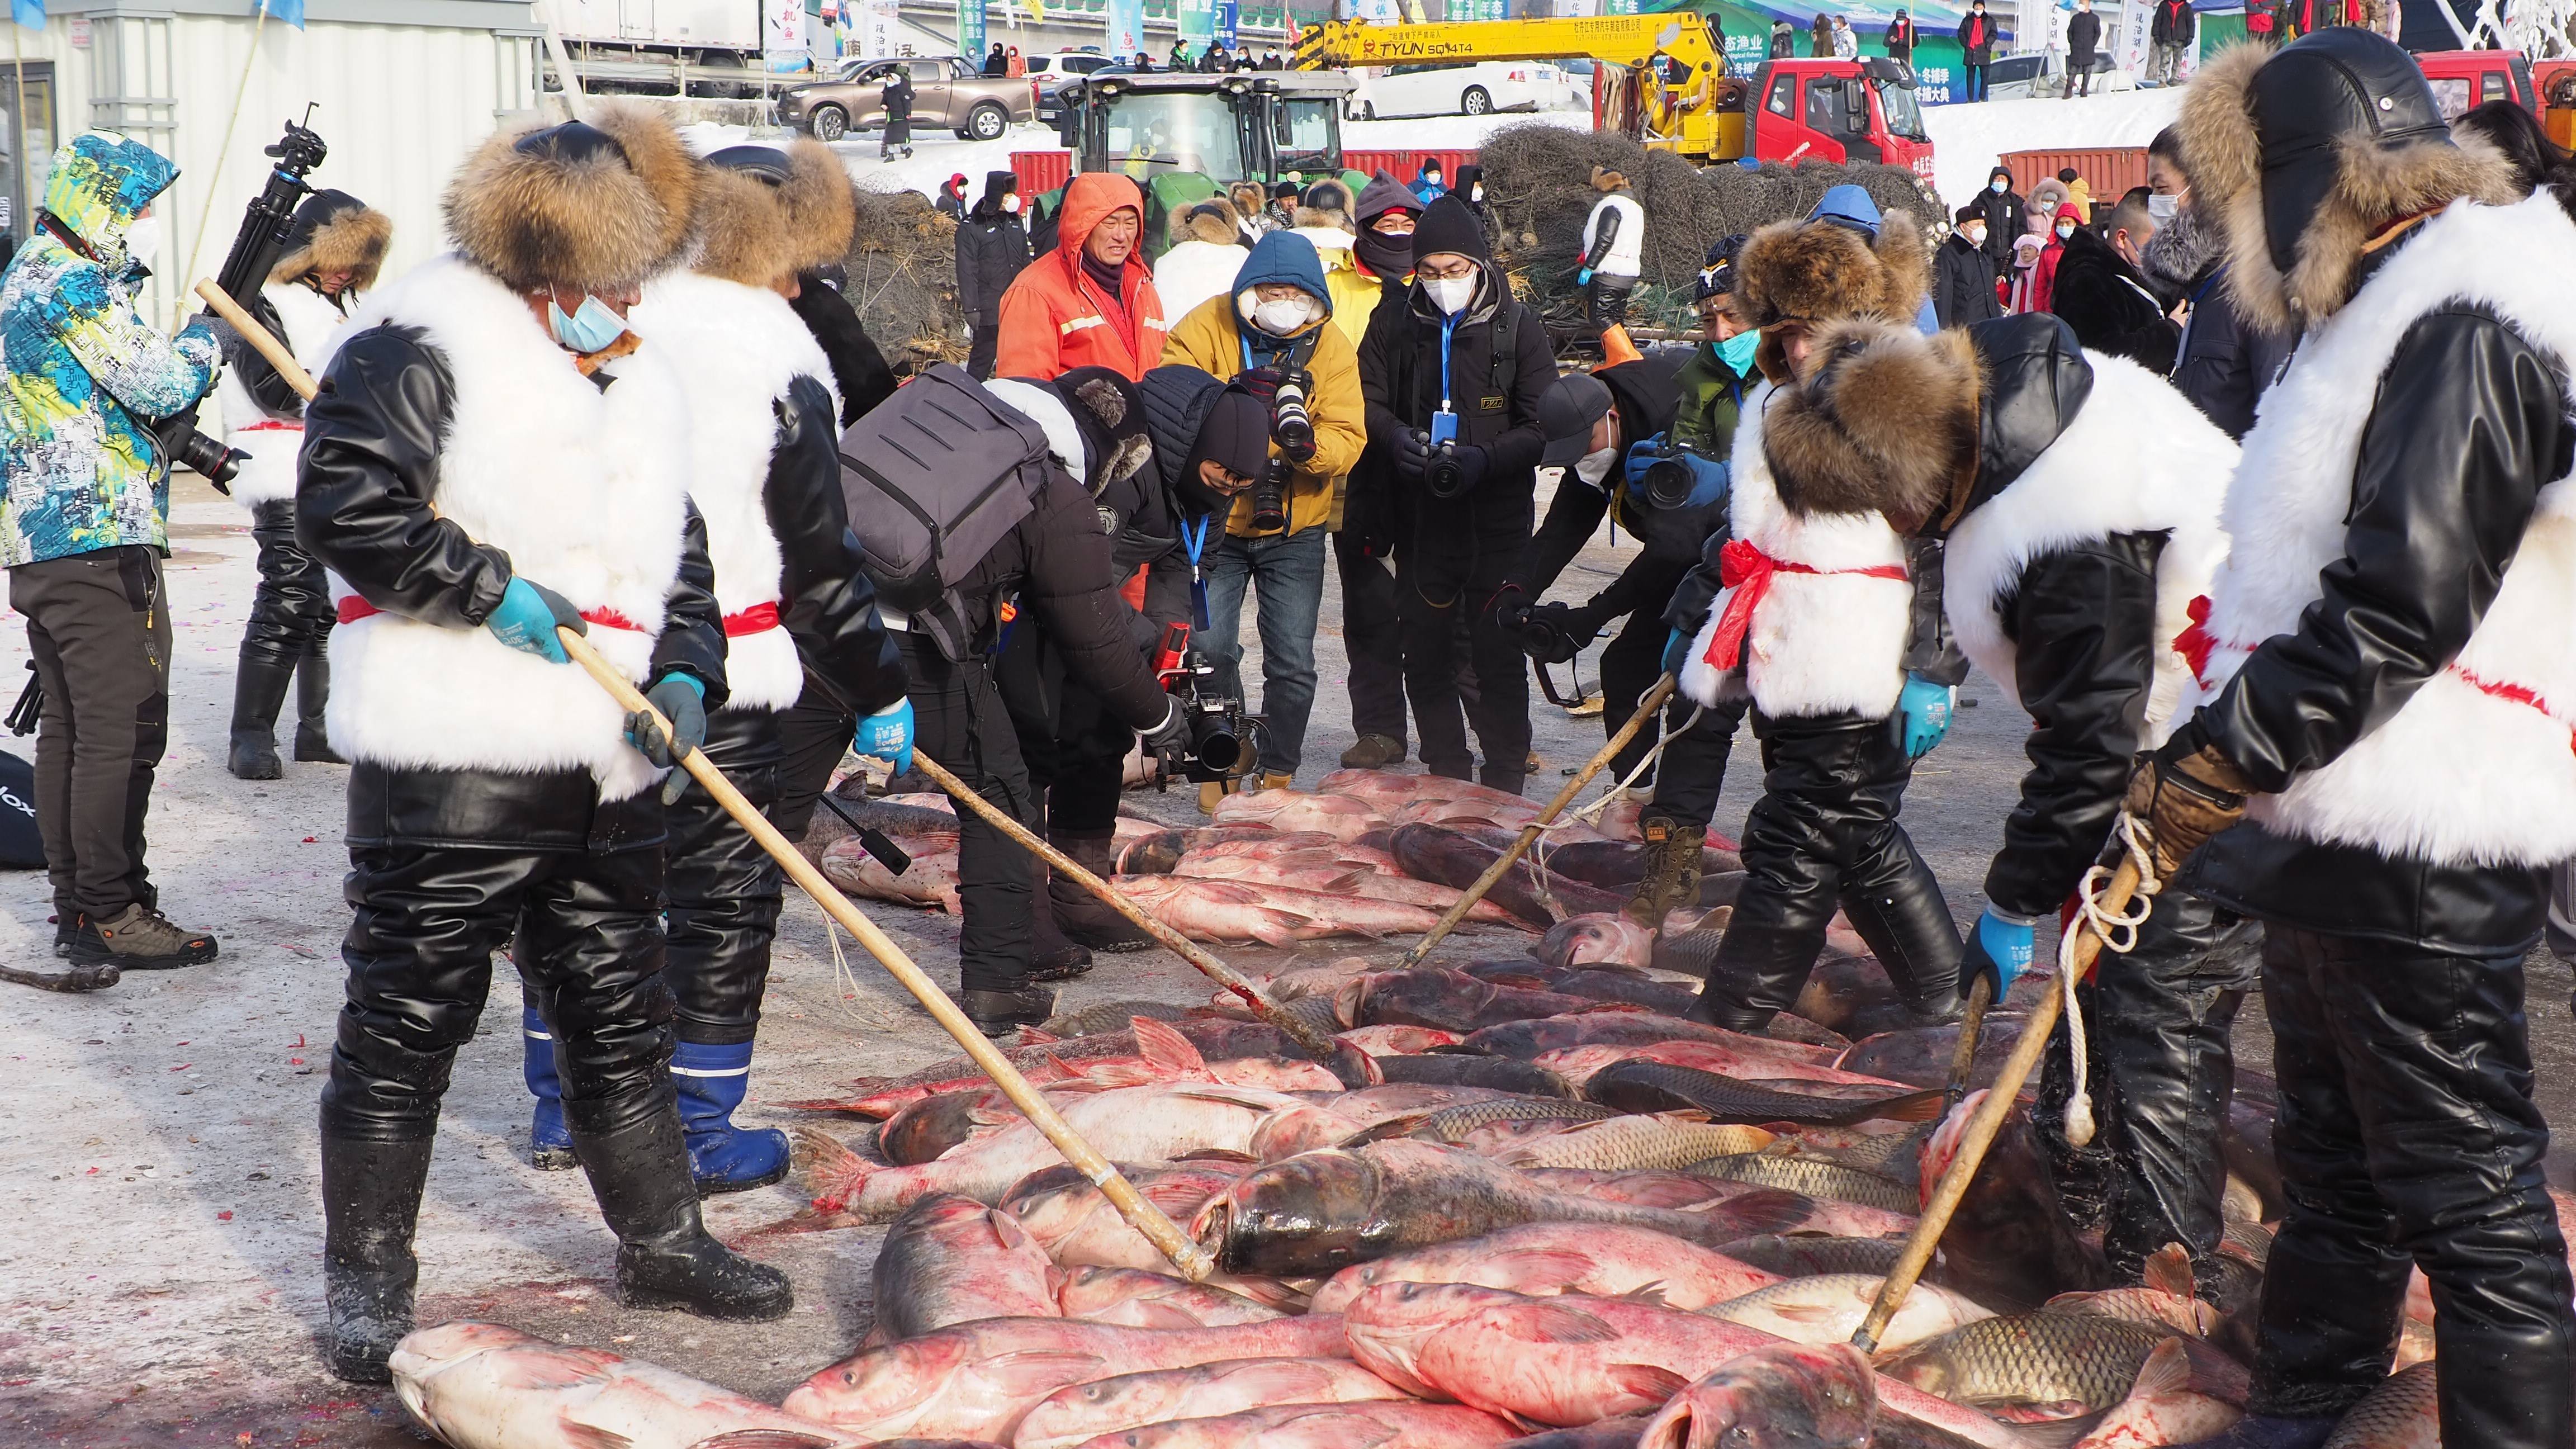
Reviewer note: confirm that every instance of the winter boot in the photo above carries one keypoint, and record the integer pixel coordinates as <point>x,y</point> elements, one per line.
<point>139,938</point>
<point>312,695</point>
<point>1755,976</point>
<point>1051,956</point>
<point>370,1199</point>
<point>549,1145</point>
<point>259,687</point>
<point>1373,752</point>
<point>1087,919</point>
<point>665,1258</point>
<point>1003,1013</point>
<point>1672,869</point>
<point>1278,782</point>
<point>722,1156</point>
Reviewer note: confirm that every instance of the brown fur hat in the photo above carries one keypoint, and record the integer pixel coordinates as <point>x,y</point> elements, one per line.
<point>1819,271</point>
<point>744,235</point>
<point>2373,187</point>
<point>820,205</point>
<point>1881,418</point>
<point>335,232</point>
<point>601,206</point>
<point>1211,221</point>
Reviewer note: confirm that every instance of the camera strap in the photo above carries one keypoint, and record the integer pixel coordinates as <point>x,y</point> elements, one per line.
<point>1195,544</point>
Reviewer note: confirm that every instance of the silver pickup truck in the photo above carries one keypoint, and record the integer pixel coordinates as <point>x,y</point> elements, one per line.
<point>946,91</point>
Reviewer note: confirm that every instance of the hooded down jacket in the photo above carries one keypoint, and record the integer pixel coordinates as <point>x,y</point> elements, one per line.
<point>1055,317</point>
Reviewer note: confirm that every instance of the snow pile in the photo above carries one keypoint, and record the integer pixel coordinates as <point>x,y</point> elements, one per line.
<point>1967,139</point>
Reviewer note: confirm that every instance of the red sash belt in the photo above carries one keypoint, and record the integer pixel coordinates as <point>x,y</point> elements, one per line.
<point>354,608</point>
<point>1748,571</point>
<point>758,619</point>
<point>270,425</point>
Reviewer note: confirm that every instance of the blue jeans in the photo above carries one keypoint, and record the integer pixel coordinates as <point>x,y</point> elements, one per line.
<point>1289,572</point>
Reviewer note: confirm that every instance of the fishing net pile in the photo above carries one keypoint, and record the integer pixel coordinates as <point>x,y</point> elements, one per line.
<point>903,279</point>
<point>1538,181</point>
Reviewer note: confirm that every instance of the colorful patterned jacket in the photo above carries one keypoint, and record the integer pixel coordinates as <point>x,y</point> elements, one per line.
<point>82,375</point>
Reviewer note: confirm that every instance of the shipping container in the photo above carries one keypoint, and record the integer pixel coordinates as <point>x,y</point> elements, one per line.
<point>1040,172</point>
<point>732,26</point>
<point>1404,165</point>
<point>2108,171</point>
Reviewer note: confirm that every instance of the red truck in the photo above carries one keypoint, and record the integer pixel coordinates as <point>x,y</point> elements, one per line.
<point>1838,110</point>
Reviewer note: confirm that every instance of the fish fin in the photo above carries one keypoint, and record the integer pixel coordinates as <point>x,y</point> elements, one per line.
<point>1272,926</point>
<point>1647,1381</point>
<point>578,1435</point>
<point>1161,1315</point>
<point>1038,1036</point>
<point>832,1173</point>
<point>768,1439</point>
<point>1913,1107</point>
<point>1029,1370</point>
<point>2168,1270</point>
<point>1006,1227</point>
<point>1215,1154</point>
<point>1165,1048</point>
<point>2167,1369</point>
<point>1260,1098</point>
<point>1650,1294</point>
<point>553,1366</point>
<point>2057,1433</point>
<point>1555,1267</point>
<point>1556,1323</point>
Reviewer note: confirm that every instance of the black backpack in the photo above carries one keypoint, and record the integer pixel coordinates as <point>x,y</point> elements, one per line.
<point>21,848</point>
<point>934,479</point>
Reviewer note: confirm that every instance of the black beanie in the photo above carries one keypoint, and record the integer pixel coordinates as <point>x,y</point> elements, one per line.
<point>1448,226</point>
<point>1236,435</point>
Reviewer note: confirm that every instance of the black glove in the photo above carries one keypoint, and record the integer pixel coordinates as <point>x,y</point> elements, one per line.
<point>1411,453</point>
<point>1512,608</point>
<point>682,701</point>
<point>1261,382</point>
<point>1555,633</point>
<point>1169,742</point>
<point>1474,465</point>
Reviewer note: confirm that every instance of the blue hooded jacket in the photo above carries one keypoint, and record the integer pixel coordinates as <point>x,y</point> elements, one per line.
<point>1281,256</point>
<point>1849,206</point>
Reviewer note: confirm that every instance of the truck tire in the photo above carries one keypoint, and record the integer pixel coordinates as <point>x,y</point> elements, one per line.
<point>1476,102</point>
<point>986,122</point>
<point>828,123</point>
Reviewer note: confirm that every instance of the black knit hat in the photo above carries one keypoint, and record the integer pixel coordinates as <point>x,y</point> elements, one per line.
<point>1235,435</point>
<point>1448,226</point>
<point>1718,277</point>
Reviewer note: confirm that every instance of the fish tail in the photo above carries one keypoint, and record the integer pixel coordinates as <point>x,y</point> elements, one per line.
<point>1912,1107</point>
<point>831,1172</point>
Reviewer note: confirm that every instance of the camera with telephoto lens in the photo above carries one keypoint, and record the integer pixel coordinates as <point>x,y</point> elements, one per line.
<point>1292,427</point>
<point>1668,480</point>
<point>1221,744</point>
<point>185,447</point>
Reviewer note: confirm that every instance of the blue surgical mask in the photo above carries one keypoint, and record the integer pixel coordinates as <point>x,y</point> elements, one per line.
<point>591,327</point>
<point>1997,186</point>
<point>1737,352</point>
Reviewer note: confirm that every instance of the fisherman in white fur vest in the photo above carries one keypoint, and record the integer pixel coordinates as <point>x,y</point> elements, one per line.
<point>2387,706</point>
<point>765,476</point>
<point>2071,563</point>
<point>334,248</point>
<point>1819,623</point>
<point>494,455</point>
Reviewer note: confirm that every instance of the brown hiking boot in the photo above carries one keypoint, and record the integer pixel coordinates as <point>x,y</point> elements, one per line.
<point>1672,869</point>
<point>1374,752</point>
<point>139,939</point>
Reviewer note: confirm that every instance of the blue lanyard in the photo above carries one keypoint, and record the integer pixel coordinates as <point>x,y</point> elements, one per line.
<point>1194,545</point>
<point>1448,326</point>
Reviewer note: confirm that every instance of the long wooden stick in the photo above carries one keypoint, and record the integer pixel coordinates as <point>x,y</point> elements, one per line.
<point>1143,1216</point>
<point>1647,708</point>
<point>262,341</point>
<point>1972,1031</point>
<point>1316,1043</point>
<point>1986,1123</point>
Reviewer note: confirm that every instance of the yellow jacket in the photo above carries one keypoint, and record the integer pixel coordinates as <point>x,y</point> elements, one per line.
<point>1208,339</point>
<point>1354,292</point>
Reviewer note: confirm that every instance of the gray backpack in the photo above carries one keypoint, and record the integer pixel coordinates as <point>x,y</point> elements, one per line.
<point>935,477</point>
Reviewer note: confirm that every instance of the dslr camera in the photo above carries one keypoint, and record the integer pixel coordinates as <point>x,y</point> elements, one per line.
<point>1292,430</point>
<point>1222,747</point>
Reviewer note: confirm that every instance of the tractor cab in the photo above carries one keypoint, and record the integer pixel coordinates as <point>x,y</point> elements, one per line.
<point>1183,136</point>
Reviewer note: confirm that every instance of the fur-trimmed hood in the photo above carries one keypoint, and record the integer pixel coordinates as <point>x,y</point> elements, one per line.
<point>1214,222</point>
<point>758,230</point>
<point>2372,187</point>
<point>335,232</point>
<point>1819,271</point>
<point>1880,419</point>
<point>600,206</point>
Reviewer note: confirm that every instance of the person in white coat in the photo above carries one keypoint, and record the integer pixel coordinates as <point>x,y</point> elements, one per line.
<point>334,249</point>
<point>1203,262</point>
<point>1614,250</point>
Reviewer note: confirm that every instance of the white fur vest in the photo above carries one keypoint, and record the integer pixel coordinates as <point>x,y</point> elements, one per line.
<point>736,350</point>
<point>311,324</point>
<point>1824,642</point>
<point>2097,480</point>
<point>2458,776</point>
<point>585,490</point>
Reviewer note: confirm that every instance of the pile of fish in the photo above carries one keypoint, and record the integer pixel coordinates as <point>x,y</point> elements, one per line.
<point>1523,1203</point>
<point>1371,854</point>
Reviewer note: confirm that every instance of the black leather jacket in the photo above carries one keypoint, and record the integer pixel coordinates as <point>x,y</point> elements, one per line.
<point>2470,424</point>
<point>825,600</point>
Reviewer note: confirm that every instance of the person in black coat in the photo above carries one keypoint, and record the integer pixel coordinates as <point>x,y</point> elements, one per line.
<point>2106,299</point>
<point>996,62</point>
<point>951,200</point>
<point>992,247</point>
<point>1462,509</point>
<point>1963,278</point>
<point>2223,361</point>
<point>1901,37</point>
<point>1978,36</point>
<point>2001,206</point>
<point>2083,37</point>
<point>897,98</point>
<point>1784,40</point>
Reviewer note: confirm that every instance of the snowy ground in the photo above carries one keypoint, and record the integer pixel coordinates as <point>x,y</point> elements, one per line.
<point>1966,140</point>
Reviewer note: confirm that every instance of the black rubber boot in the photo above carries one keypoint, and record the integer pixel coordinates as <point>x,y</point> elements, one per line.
<point>665,1257</point>
<point>259,687</point>
<point>1051,956</point>
<point>370,1199</point>
<point>1002,1013</point>
<point>1757,974</point>
<point>1085,918</point>
<point>312,695</point>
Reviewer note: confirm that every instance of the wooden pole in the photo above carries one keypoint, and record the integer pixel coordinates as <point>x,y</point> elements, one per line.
<point>1647,709</point>
<point>262,341</point>
<point>1972,1030</point>
<point>1316,1043</point>
<point>1143,1216</point>
<point>1989,1120</point>
<point>241,93</point>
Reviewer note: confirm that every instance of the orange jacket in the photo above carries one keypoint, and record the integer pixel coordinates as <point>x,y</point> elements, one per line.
<point>1055,318</point>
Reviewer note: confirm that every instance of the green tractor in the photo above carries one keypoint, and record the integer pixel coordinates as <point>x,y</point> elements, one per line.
<point>1184,137</point>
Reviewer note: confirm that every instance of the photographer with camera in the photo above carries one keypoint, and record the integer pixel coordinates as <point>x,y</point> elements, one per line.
<point>1274,334</point>
<point>84,526</point>
<point>1453,370</point>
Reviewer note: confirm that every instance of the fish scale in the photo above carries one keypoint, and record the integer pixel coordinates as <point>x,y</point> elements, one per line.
<point>1452,1124</point>
<point>2031,1358</point>
<point>1633,1144</point>
<point>2401,1413</point>
<point>1651,1086</point>
<point>1814,1177</point>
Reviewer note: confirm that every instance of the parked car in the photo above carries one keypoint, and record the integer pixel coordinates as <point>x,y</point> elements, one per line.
<point>1473,88</point>
<point>1065,63</point>
<point>946,91</point>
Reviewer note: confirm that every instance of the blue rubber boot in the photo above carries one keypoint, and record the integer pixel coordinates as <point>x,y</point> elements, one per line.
<point>549,1141</point>
<point>722,1157</point>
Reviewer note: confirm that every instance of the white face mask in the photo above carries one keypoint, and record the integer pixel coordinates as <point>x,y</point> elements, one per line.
<point>1975,235</point>
<point>1281,317</point>
<point>1476,192</point>
<point>2162,208</point>
<point>1011,202</point>
<point>1595,466</point>
<point>2065,229</point>
<point>1450,294</point>
<point>1997,185</point>
<point>143,238</point>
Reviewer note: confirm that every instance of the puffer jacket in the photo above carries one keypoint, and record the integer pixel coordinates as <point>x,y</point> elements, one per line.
<point>1500,367</point>
<point>82,374</point>
<point>1054,318</point>
<point>992,251</point>
<point>1354,292</point>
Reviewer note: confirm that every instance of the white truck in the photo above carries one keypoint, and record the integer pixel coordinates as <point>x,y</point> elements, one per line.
<point>710,32</point>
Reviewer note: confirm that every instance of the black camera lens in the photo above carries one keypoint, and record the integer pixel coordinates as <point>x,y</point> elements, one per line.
<point>1269,507</point>
<point>1668,483</point>
<point>1445,477</point>
<point>190,448</point>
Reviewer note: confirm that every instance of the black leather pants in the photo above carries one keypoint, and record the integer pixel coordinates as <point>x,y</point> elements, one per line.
<point>290,612</point>
<point>2407,1137</point>
<point>583,925</point>
<point>724,890</point>
<point>1824,834</point>
<point>958,720</point>
<point>1693,768</point>
<point>2163,1072</point>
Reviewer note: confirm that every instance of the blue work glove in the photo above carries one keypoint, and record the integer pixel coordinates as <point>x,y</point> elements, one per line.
<point>1639,458</point>
<point>887,735</point>
<point>1676,653</point>
<point>1710,478</point>
<point>1999,948</point>
<point>683,701</point>
<point>1583,276</point>
<point>1922,715</point>
<point>527,618</point>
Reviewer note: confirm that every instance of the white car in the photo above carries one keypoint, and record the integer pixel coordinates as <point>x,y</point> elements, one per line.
<point>1067,63</point>
<point>1471,88</point>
